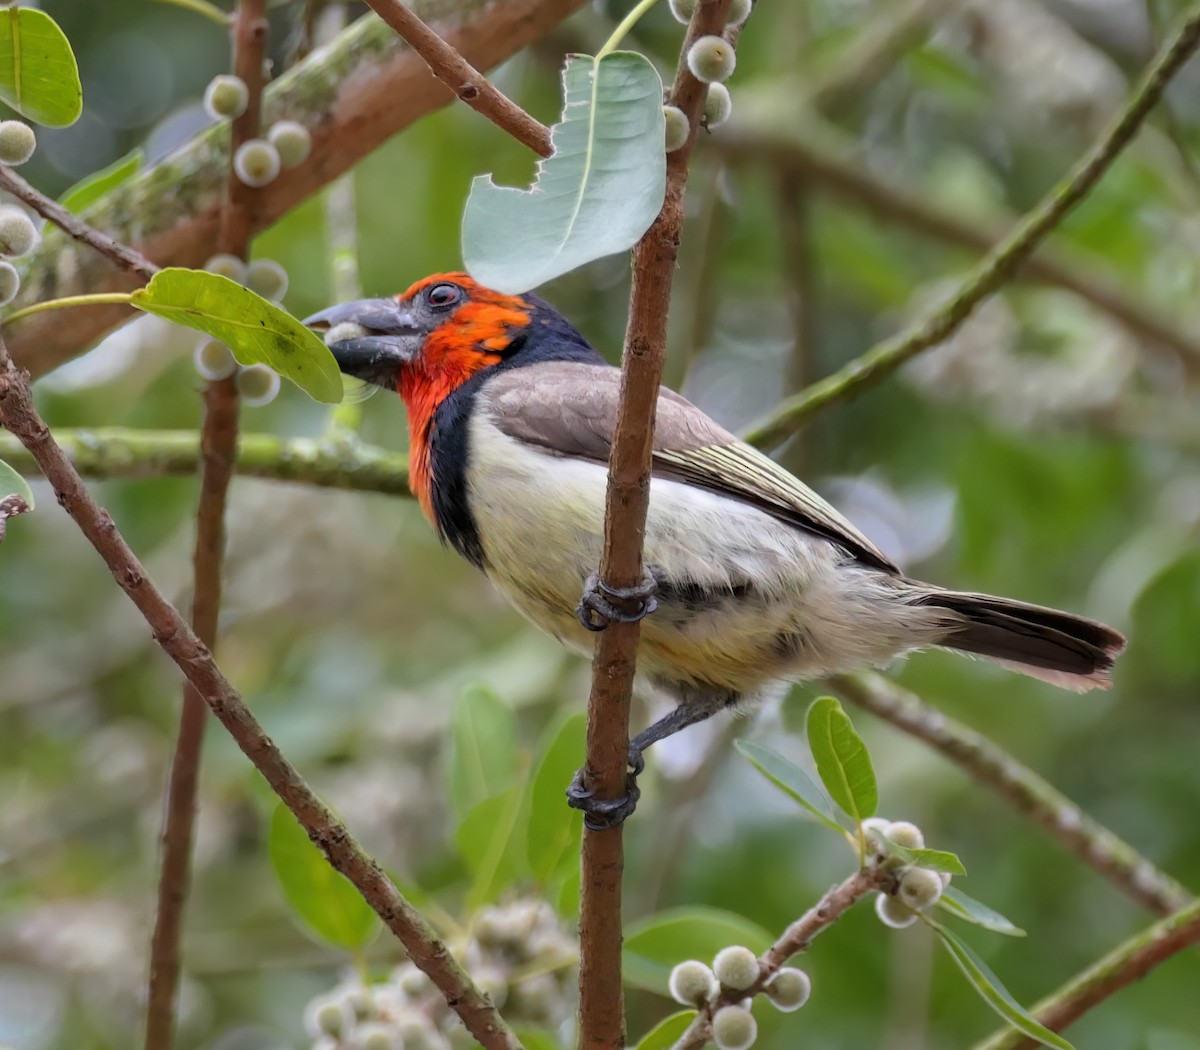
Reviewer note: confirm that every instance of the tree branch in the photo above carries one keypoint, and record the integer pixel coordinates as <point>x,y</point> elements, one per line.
<point>193,658</point>
<point>467,83</point>
<point>1122,966</point>
<point>1028,793</point>
<point>1000,265</point>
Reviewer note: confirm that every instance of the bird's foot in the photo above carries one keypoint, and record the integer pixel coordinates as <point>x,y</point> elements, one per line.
<point>600,814</point>
<point>602,605</point>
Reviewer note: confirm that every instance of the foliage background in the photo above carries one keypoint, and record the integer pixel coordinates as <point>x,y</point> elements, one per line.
<point>1045,453</point>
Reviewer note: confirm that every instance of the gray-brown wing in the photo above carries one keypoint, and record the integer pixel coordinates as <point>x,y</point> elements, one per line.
<point>571,409</point>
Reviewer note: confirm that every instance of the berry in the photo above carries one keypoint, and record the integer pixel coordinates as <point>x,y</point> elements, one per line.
<point>17,231</point>
<point>493,983</point>
<point>256,163</point>
<point>736,967</point>
<point>291,140</point>
<point>677,127</point>
<point>717,106</point>
<point>536,998</point>
<point>214,360</point>
<point>10,283</point>
<point>733,1028</point>
<point>875,824</point>
<point>411,981</point>
<point>226,96</point>
<point>375,1035</point>
<point>920,888</point>
<point>711,59</point>
<point>258,385</point>
<point>413,1031</point>
<point>789,989</point>
<point>17,142</point>
<point>739,11</point>
<point>267,278</point>
<point>894,913</point>
<point>692,983</point>
<point>327,1016</point>
<point>227,266</point>
<point>902,833</point>
<point>683,10</point>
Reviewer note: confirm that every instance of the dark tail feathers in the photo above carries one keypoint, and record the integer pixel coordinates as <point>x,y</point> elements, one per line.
<point>1057,647</point>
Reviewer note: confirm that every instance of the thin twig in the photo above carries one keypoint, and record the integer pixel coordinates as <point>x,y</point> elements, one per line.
<point>1032,796</point>
<point>124,257</point>
<point>1000,265</point>
<point>601,1007</point>
<point>193,658</point>
<point>1126,963</point>
<point>467,83</point>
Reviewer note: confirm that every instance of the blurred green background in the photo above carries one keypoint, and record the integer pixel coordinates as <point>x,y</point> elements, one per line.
<point>1046,452</point>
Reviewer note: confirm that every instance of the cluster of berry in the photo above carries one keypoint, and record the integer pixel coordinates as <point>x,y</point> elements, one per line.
<point>259,161</point>
<point>18,234</point>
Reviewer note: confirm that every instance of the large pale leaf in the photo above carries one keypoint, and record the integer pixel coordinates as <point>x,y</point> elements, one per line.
<point>657,943</point>
<point>38,74</point>
<point>258,332</point>
<point>554,829</point>
<point>595,196</point>
<point>842,759</point>
<point>484,760</point>
<point>87,191</point>
<point>491,841</point>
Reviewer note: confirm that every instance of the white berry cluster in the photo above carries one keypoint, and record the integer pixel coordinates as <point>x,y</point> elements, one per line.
<point>916,889</point>
<point>518,954</point>
<point>733,971</point>
<point>18,234</point>
<point>258,161</point>
<point>711,60</point>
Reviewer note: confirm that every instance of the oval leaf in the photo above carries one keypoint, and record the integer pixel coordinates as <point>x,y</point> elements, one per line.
<point>324,899</point>
<point>594,196</point>
<point>792,780</point>
<point>842,759</point>
<point>38,74</point>
<point>87,191</point>
<point>490,842</point>
<point>654,945</point>
<point>993,992</point>
<point>554,828</point>
<point>484,761</point>
<point>666,1033</point>
<point>12,484</point>
<point>958,903</point>
<point>258,332</point>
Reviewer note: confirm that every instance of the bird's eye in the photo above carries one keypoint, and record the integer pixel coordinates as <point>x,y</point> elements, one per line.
<point>443,295</point>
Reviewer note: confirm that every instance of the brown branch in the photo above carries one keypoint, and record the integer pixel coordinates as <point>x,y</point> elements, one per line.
<point>601,1007</point>
<point>471,86</point>
<point>193,658</point>
<point>126,258</point>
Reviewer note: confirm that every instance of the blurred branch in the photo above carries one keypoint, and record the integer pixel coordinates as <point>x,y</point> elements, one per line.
<point>193,658</point>
<point>601,1006</point>
<point>352,96</point>
<point>794,197</point>
<point>1032,796</point>
<point>998,268</point>
<point>1122,966</point>
<point>471,86</point>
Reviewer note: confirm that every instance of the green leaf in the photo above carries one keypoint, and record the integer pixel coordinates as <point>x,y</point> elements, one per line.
<point>12,484</point>
<point>87,191</point>
<point>594,196</point>
<point>666,1033</point>
<point>258,332</point>
<point>484,760</point>
<point>842,759</point>
<point>792,780</point>
<point>566,901</point>
<point>489,842</point>
<point>958,903</point>
<point>934,859</point>
<point>656,944</point>
<point>38,74</point>
<point>324,899</point>
<point>537,1039</point>
<point>554,828</point>
<point>993,992</point>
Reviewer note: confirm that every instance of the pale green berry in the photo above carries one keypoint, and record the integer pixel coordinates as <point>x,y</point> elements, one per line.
<point>257,385</point>
<point>739,11</point>
<point>225,265</point>
<point>875,824</point>
<point>894,913</point>
<point>412,982</point>
<point>711,59</point>
<point>415,1032</point>
<point>718,105</point>
<point>17,142</point>
<point>343,333</point>
<point>683,10</point>
<point>376,1035</point>
<point>226,96</point>
<point>692,983</point>
<point>902,833</point>
<point>677,127</point>
<point>214,360</point>
<point>291,140</point>
<point>328,1016</point>
<point>734,1028</point>
<point>10,283</point>
<point>536,998</point>
<point>267,278</point>
<point>493,983</point>
<point>17,231</point>
<point>920,888</point>
<point>256,163</point>
<point>736,967</point>
<point>789,989</point>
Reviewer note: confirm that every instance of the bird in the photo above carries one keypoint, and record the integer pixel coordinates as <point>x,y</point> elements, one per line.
<point>752,578</point>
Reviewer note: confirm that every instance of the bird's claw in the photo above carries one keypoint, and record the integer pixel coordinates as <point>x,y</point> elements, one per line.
<point>602,605</point>
<point>600,814</point>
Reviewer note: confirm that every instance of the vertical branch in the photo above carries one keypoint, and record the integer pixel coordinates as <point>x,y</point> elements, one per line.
<point>601,1005</point>
<point>218,450</point>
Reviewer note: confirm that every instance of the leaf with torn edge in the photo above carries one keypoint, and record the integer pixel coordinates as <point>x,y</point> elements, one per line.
<point>594,196</point>
<point>38,74</point>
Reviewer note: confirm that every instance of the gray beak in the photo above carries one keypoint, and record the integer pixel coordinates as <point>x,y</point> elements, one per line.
<point>386,338</point>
